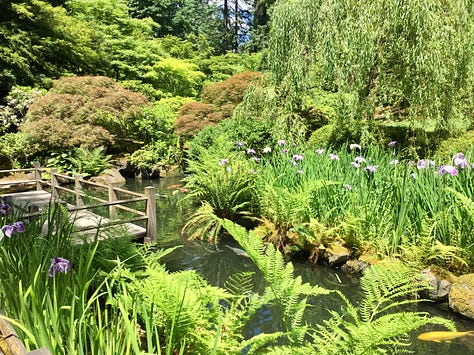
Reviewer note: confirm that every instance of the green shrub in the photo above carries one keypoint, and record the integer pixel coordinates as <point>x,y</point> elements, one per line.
<point>448,147</point>
<point>16,148</point>
<point>156,123</point>
<point>81,161</point>
<point>321,138</point>
<point>156,153</point>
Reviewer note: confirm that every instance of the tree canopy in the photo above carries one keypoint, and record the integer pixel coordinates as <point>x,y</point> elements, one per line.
<point>415,57</point>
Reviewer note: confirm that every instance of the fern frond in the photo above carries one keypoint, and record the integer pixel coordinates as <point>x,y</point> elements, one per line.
<point>465,202</point>
<point>255,344</point>
<point>240,284</point>
<point>203,224</point>
<point>391,330</point>
<point>386,288</point>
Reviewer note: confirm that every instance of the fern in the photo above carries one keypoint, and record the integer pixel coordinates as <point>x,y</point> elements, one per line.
<point>374,327</point>
<point>284,289</point>
<point>383,287</point>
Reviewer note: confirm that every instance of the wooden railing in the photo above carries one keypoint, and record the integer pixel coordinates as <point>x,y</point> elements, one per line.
<point>148,215</point>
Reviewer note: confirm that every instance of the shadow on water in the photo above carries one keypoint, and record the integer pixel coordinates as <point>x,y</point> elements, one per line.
<point>218,263</point>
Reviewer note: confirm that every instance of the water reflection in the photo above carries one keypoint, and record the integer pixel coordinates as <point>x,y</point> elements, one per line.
<point>218,263</point>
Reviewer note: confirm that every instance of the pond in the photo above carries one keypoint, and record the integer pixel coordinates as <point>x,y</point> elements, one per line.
<point>217,263</point>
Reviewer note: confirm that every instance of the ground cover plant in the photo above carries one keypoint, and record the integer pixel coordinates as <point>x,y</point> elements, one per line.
<point>112,297</point>
<point>365,197</point>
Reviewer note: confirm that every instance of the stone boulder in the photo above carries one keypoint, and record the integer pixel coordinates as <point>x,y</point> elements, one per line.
<point>461,297</point>
<point>440,284</point>
<point>110,176</point>
<point>337,254</point>
<point>354,267</point>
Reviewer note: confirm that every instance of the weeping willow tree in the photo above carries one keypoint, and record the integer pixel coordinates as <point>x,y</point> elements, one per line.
<point>413,57</point>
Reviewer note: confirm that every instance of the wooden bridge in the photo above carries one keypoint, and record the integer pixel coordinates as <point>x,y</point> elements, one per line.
<point>84,200</point>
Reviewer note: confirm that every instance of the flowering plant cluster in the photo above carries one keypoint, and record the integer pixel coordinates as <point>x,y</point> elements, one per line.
<point>7,230</point>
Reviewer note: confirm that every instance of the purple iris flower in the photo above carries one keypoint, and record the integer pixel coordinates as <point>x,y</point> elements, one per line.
<point>392,144</point>
<point>297,157</point>
<point>19,227</point>
<point>256,159</point>
<point>460,160</point>
<point>4,209</point>
<point>320,151</point>
<point>223,161</point>
<point>240,144</point>
<point>359,160</point>
<point>425,163</point>
<point>59,265</point>
<point>371,168</point>
<point>284,151</point>
<point>250,151</point>
<point>12,228</point>
<point>448,169</point>
<point>8,230</point>
<point>354,146</point>
<point>355,165</point>
<point>333,156</point>
<point>293,145</point>
<point>281,142</point>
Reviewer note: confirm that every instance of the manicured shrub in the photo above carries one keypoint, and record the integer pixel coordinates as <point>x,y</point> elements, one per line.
<point>218,103</point>
<point>192,118</point>
<point>450,146</point>
<point>230,90</point>
<point>89,111</point>
<point>321,137</point>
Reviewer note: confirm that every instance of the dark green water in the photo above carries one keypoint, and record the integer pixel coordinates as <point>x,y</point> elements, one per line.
<point>217,263</point>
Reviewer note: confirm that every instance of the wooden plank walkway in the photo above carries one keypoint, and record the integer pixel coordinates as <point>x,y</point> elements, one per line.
<point>85,221</point>
<point>86,217</point>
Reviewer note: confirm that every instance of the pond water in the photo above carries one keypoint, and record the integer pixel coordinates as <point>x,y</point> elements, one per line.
<point>217,263</point>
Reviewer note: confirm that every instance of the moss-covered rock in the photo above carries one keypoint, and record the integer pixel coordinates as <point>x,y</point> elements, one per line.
<point>337,254</point>
<point>461,297</point>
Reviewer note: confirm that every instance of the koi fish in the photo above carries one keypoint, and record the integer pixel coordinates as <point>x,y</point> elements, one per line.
<point>440,336</point>
<point>174,186</point>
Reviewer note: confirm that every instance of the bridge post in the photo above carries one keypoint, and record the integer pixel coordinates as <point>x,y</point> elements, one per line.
<point>38,176</point>
<point>78,178</point>
<point>112,198</point>
<point>54,184</point>
<point>151,214</point>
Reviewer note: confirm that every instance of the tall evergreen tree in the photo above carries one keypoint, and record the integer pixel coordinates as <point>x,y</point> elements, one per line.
<point>259,27</point>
